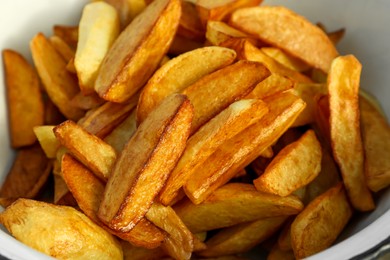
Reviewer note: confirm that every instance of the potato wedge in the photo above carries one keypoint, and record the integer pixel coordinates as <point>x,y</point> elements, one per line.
<point>24,98</point>
<point>179,73</point>
<point>242,237</point>
<point>179,242</point>
<point>86,102</point>
<point>218,32</point>
<point>47,140</point>
<point>62,195</point>
<point>221,10</point>
<point>60,86</point>
<point>247,51</point>
<point>102,120</point>
<point>131,252</point>
<point>207,139</point>
<point>243,148</point>
<point>272,85</point>
<point>145,163</point>
<point>248,204</point>
<point>62,48</point>
<point>28,174</point>
<point>88,191</point>
<point>320,223</point>
<point>283,28</point>
<point>376,138</point>
<point>98,28</point>
<point>75,236</point>
<point>278,254</point>
<point>70,34</point>
<point>190,26</point>
<point>137,51</point>
<point>347,147</point>
<point>285,59</point>
<point>181,45</point>
<point>209,95</point>
<point>92,151</point>
<point>302,158</point>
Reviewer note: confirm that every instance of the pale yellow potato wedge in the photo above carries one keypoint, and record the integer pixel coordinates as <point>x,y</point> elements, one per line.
<point>232,204</point>
<point>220,10</point>
<point>137,51</point>
<point>179,73</point>
<point>98,28</point>
<point>88,191</point>
<point>207,139</point>
<point>345,133</point>
<point>285,59</point>
<point>242,149</point>
<point>92,151</point>
<point>272,85</point>
<point>25,102</point>
<point>47,140</point>
<point>179,243</point>
<point>33,222</point>
<point>376,143</point>
<point>218,32</point>
<point>242,237</point>
<point>320,223</point>
<point>302,158</point>
<point>60,86</point>
<point>145,163</point>
<point>210,96</point>
<point>283,28</point>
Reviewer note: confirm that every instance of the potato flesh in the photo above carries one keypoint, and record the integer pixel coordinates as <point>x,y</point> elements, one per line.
<point>75,236</point>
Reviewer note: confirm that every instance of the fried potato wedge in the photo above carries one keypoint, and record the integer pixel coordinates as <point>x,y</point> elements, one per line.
<point>230,122</point>
<point>302,158</point>
<point>209,95</point>
<point>98,28</point>
<point>60,86</point>
<point>179,242</point>
<point>145,163</point>
<point>88,191</point>
<point>122,133</point>
<point>179,73</point>
<point>70,34</point>
<point>218,32</point>
<point>242,149</point>
<point>24,98</point>
<point>28,174</point>
<point>102,120</point>
<point>285,59</point>
<point>131,252</point>
<point>283,28</point>
<point>181,45</point>
<point>278,254</point>
<point>92,151</point>
<point>247,51</point>
<point>190,26</point>
<point>62,195</point>
<point>47,140</point>
<point>86,102</point>
<point>376,143</point>
<point>320,223</point>
<point>221,10</point>
<point>242,237</point>
<point>347,147</point>
<point>33,222</point>
<point>272,85</point>
<point>248,204</point>
<point>137,51</point>
<point>62,48</point>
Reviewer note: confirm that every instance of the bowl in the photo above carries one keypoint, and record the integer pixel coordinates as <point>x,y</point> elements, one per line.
<point>367,37</point>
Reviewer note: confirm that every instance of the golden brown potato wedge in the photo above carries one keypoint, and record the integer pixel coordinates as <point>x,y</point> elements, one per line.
<point>32,222</point>
<point>190,26</point>
<point>285,59</point>
<point>272,85</point>
<point>302,158</point>
<point>102,120</point>
<point>92,151</point>
<point>179,243</point>
<point>209,95</point>
<point>47,140</point>
<point>28,174</point>
<point>218,32</point>
<point>376,138</point>
<point>347,147</point>
<point>284,239</point>
<point>278,254</point>
<point>137,51</point>
<point>242,237</point>
<point>98,28</point>
<point>70,34</point>
<point>145,163</point>
<point>86,102</point>
<point>60,86</point>
<point>221,10</point>
<point>88,191</point>
<point>181,45</point>
<point>62,48</point>
<point>62,195</point>
<point>247,51</point>
<point>232,204</point>
<point>283,28</point>
<point>243,148</point>
<point>230,122</point>
<point>179,73</point>
<point>24,98</point>
<point>320,223</point>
